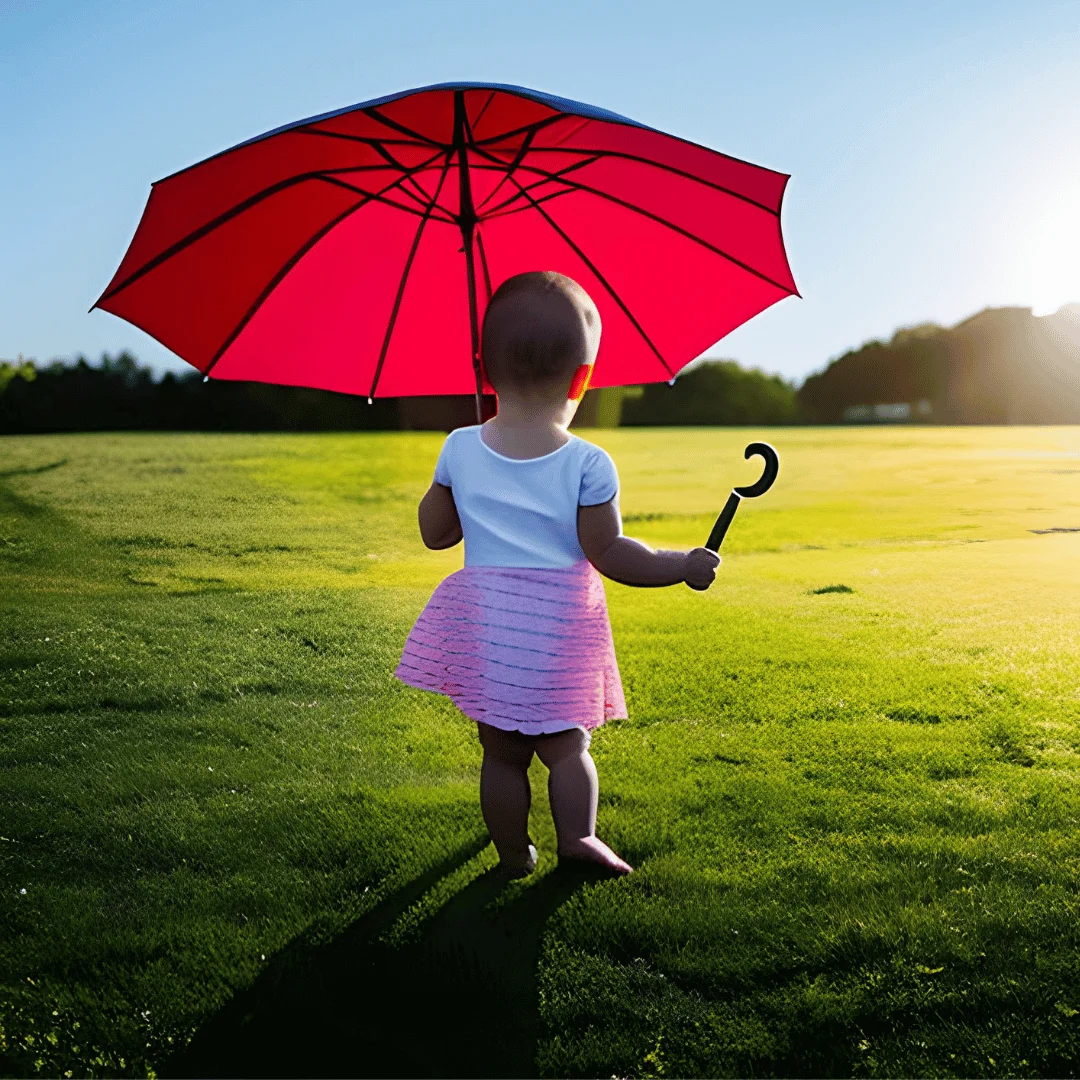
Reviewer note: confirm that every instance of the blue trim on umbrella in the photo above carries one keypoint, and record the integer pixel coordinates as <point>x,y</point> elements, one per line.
<point>559,104</point>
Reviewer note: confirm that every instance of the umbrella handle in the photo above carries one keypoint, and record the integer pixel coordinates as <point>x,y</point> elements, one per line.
<point>768,477</point>
<point>750,491</point>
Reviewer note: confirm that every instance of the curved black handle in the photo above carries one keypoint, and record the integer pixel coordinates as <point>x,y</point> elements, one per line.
<point>751,491</point>
<point>768,477</point>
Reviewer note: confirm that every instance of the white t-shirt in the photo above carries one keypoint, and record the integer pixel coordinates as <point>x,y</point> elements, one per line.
<point>523,511</point>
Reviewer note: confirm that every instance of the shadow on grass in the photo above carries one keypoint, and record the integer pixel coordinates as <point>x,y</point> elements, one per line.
<point>460,999</point>
<point>33,470</point>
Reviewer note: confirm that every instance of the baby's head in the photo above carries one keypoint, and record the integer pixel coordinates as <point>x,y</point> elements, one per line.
<point>541,333</point>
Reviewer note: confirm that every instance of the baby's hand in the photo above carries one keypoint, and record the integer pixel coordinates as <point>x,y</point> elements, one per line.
<point>701,564</point>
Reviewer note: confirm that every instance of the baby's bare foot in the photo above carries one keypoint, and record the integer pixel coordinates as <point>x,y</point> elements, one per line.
<point>590,849</point>
<point>518,868</point>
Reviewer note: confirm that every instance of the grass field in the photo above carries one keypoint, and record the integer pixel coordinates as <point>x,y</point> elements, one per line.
<point>855,813</point>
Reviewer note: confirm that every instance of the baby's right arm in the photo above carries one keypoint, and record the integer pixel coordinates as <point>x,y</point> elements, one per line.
<point>439,523</point>
<point>634,563</point>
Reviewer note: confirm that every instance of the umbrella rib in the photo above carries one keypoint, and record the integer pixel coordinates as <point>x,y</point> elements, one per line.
<point>624,156</point>
<point>395,126</point>
<point>598,275</point>
<point>389,158</point>
<point>280,275</point>
<point>495,215</point>
<point>484,109</point>
<point>338,182</point>
<point>421,196</point>
<point>204,230</point>
<point>343,169</point>
<point>367,140</point>
<point>222,219</point>
<point>570,134</point>
<point>589,190</point>
<point>523,149</point>
<point>640,127</point>
<point>379,146</point>
<point>275,281</point>
<point>392,320</point>
<point>415,211</point>
<point>533,128</point>
<point>357,169</point>
<point>483,261</point>
<point>529,187</point>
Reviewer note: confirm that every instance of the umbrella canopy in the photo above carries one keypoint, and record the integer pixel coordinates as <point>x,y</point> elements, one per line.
<point>356,251</point>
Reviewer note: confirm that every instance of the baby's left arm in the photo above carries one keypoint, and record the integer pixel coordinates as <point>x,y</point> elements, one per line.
<point>633,563</point>
<point>440,526</point>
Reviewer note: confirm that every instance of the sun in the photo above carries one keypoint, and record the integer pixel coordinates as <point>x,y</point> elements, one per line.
<point>1054,260</point>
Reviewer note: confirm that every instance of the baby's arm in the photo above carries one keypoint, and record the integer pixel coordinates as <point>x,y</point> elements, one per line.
<point>439,523</point>
<point>634,563</point>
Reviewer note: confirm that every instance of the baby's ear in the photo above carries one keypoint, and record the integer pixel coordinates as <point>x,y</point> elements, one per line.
<point>580,382</point>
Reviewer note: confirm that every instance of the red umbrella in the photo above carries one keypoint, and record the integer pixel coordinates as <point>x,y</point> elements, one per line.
<point>356,251</point>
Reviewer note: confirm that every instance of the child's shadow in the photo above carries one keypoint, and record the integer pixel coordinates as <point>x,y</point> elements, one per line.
<point>460,999</point>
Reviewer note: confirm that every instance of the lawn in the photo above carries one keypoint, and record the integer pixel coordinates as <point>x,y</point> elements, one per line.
<point>231,843</point>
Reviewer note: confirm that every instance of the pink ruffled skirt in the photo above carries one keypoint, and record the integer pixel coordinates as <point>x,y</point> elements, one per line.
<point>526,650</point>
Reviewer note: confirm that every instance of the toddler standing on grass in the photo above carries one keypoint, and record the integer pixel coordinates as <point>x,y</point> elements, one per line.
<point>519,639</point>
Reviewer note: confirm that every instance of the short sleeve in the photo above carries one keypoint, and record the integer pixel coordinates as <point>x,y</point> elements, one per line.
<point>442,466</point>
<point>599,479</point>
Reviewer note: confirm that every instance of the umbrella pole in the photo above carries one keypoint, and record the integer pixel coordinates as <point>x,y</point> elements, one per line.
<point>474,327</point>
<point>467,223</point>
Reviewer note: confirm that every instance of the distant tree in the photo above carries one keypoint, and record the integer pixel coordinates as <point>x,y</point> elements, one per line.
<point>16,369</point>
<point>1000,366</point>
<point>715,392</point>
<point>912,366</point>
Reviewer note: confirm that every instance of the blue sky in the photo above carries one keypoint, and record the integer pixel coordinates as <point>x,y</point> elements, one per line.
<point>934,147</point>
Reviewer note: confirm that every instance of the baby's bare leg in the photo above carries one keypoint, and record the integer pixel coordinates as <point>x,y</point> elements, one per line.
<point>505,796</point>
<point>573,789</point>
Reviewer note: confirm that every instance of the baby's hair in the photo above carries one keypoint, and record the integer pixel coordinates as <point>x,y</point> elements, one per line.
<point>538,327</point>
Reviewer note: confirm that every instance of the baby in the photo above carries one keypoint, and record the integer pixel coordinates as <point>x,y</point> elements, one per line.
<point>519,639</point>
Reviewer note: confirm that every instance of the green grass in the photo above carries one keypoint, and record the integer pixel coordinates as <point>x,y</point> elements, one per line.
<point>854,807</point>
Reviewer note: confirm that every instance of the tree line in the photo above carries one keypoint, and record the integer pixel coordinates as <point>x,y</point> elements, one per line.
<point>1000,366</point>
<point>118,393</point>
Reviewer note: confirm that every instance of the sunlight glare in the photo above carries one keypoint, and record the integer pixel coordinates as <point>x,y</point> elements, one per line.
<point>1054,266</point>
